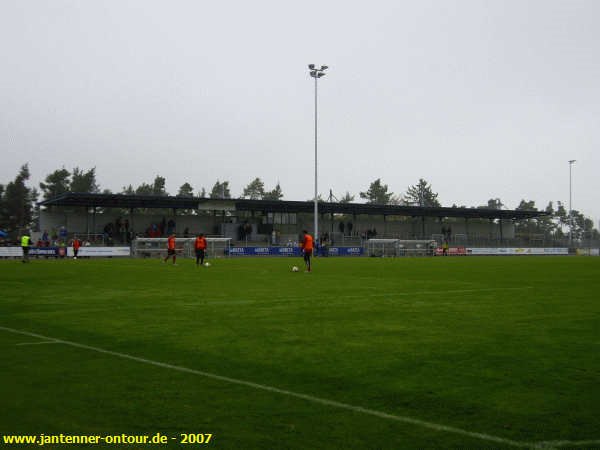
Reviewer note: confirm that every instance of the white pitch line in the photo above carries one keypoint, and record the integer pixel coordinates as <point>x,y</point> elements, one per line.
<point>553,444</point>
<point>310,398</point>
<point>448,291</point>
<point>39,343</point>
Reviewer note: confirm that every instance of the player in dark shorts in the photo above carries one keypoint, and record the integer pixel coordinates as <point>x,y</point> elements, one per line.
<point>171,249</point>
<point>25,243</point>
<point>200,247</point>
<point>76,246</point>
<point>307,249</point>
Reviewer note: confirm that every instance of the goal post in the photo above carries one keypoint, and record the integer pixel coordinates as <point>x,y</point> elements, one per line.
<point>401,247</point>
<point>382,247</point>
<point>216,247</point>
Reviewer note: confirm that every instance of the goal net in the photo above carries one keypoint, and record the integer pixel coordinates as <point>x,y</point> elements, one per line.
<point>216,247</point>
<point>401,247</point>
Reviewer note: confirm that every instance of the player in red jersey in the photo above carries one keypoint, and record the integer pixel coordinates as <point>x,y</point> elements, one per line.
<point>307,249</point>
<point>171,248</point>
<point>200,247</point>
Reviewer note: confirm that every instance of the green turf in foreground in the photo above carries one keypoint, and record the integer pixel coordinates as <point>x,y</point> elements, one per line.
<point>507,347</point>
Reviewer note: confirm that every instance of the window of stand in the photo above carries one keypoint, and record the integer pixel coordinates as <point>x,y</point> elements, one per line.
<point>281,218</point>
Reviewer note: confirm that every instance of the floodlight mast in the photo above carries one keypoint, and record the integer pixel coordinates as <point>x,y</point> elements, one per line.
<point>571,161</point>
<point>316,74</point>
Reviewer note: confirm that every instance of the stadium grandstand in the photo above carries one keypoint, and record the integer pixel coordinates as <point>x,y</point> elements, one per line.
<point>118,219</point>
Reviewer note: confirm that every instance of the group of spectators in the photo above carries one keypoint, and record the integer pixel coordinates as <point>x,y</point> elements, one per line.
<point>56,238</point>
<point>370,234</point>
<point>244,231</point>
<point>161,229</point>
<point>117,231</point>
<point>43,241</point>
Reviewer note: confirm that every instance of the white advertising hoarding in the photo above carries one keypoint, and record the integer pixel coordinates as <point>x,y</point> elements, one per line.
<point>517,251</point>
<point>100,251</point>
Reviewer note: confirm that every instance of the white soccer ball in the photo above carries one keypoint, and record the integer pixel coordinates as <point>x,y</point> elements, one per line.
<point>295,269</point>
<point>206,264</point>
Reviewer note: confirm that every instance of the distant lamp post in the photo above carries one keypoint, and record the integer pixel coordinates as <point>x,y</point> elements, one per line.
<point>571,161</point>
<point>316,73</point>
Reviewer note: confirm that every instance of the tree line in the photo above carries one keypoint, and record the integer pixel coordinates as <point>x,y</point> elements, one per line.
<point>18,202</point>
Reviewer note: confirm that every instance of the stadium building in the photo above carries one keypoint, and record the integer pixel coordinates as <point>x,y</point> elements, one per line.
<point>119,218</point>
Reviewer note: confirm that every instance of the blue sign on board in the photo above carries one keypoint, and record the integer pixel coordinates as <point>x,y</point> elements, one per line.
<point>291,251</point>
<point>46,251</point>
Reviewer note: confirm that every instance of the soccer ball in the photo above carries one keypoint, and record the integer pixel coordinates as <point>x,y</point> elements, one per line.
<point>295,269</point>
<point>206,264</point>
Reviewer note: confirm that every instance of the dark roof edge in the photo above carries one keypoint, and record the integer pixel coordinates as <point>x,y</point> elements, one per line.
<point>160,201</point>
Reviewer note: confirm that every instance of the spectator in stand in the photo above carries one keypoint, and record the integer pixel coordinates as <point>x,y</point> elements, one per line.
<point>107,229</point>
<point>118,225</point>
<point>63,233</point>
<point>45,236</point>
<point>170,227</point>
<point>123,233</point>
<point>153,231</point>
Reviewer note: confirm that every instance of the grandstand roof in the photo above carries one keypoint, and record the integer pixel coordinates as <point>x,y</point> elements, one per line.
<point>158,201</point>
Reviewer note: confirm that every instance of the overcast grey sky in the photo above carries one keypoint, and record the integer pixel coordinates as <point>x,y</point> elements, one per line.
<point>481,98</point>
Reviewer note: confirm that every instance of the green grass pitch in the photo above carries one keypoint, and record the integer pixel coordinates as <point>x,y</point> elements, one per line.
<point>489,352</point>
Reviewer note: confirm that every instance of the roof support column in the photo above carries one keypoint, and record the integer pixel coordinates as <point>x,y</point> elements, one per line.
<point>87,221</point>
<point>331,227</point>
<point>131,223</point>
<point>93,220</point>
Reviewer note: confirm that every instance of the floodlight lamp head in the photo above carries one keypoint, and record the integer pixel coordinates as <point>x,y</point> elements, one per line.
<point>311,66</point>
<point>313,74</point>
<point>321,74</point>
<point>571,161</point>
<point>324,67</point>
